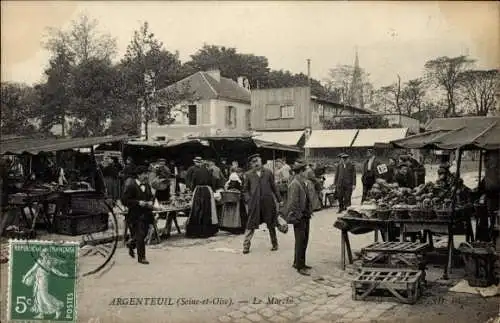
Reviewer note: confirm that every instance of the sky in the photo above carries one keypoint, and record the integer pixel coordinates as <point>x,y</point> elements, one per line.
<point>391,37</point>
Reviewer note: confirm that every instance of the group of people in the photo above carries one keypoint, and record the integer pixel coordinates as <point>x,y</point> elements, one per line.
<point>262,202</point>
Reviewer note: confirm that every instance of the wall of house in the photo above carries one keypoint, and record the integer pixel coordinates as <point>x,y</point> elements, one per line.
<point>219,111</point>
<point>210,116</point>
<point>266,108</point>
<point>412,124</point>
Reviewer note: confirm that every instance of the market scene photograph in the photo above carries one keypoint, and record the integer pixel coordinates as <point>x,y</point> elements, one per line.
<point>240,161</point>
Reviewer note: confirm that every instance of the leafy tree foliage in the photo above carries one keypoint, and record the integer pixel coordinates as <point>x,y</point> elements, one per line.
<point>16,108</point>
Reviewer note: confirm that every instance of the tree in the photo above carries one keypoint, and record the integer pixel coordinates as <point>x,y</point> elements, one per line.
<point>479,88</point>
<point>83,40</point>
<point>55,95</point>
<point>145,68</point>
<point>444,73</point>
<point>412,96</point>
<point>230,63</point>
<point>79,77</point>
<point>391,95</point>
<point>340,82</point>
<point>356,122</point>
<point>18,102</point>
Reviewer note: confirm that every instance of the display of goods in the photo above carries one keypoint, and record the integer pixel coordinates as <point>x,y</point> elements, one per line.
<point>425,196</point>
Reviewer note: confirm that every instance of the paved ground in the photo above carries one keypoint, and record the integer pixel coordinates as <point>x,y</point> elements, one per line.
<point>214,272</point>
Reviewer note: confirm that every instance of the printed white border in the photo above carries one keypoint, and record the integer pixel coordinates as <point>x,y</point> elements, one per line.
<point>43,242</point>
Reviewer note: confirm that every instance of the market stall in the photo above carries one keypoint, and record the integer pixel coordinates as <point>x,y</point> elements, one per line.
<point>430,208</point>
<point>50,179</point>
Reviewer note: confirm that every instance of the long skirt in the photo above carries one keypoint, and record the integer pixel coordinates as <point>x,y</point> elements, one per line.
<point>235,218</point>
<point>113,187</point>
<point>202,221</point>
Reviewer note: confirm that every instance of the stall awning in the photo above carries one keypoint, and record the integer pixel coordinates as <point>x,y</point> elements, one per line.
<point>331,138</point>
<point>36,146</point>
<point>453,133</point>
<point>275,146</point>
<point>288,138</point>
<point>368,137</point>
<point>166,143</point>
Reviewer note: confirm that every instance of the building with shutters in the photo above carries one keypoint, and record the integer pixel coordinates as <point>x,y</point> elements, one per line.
<point>219,104</point>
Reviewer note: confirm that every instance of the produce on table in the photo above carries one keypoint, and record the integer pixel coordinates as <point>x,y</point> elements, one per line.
<point>425,196</point>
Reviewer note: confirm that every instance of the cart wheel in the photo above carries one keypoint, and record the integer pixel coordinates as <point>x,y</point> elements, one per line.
<point>98,249</point>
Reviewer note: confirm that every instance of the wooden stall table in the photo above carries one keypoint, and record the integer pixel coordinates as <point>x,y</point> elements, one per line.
<point>170,214</point>
<point>26,201</point>
<point>445,225</point>
<point>362,225</point>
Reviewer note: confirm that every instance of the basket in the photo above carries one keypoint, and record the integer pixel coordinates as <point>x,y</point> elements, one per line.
<point>383,214</point>
<point>444,213</point>
<point>74,225</point>
<point>479,259</point>
<point>230,197</point>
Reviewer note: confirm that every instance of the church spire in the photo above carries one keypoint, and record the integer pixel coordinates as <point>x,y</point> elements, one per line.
<point>357,84</point>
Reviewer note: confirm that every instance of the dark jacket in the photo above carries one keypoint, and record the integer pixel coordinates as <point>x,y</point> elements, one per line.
<point>132,194</point>
<point>369,175</point>
<point>260,194</point>
<point>299,204</point>
<point>345,176</point>
<point>199,176</point>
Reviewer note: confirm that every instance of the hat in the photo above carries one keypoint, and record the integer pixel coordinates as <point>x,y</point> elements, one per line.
<point>197,159</point>
<point>161,160</point>
<point>343,155</point>
<point>252,157</point>
<point>298,166</point>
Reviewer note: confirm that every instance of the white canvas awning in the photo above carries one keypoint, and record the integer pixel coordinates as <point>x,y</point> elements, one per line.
<point>368,137</point>
<point>331,138</point>
<point>289,138</point>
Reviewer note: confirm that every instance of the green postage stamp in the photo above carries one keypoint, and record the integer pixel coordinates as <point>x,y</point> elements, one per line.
<point>42,281</point>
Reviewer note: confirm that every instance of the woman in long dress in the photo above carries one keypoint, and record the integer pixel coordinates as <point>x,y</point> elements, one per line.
<point>38,277</point>
<point>235,183</point>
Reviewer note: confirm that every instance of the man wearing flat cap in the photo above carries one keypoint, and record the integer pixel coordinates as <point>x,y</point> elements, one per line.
<point>138,198</point>
<point>345,181</point>
<point>261,194</point>
<point>299,208</point>
<point>372,169</point>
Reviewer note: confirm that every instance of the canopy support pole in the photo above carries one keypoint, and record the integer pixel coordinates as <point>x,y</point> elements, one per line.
<point>453,214</point>
<point>480,166</point>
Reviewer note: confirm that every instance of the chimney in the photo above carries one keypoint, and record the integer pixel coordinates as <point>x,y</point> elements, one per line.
<point>214,73</point>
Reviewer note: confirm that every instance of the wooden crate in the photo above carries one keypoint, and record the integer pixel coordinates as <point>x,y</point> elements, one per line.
<point>403,285</point>
<point>394,260</point>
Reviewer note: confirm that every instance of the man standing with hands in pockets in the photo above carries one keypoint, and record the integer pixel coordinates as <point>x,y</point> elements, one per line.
<point>261,195</point>
<point>138,198</point>
<point>299,210</point>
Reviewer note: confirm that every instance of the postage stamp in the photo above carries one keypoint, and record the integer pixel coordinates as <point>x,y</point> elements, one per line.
<point>43,281</point>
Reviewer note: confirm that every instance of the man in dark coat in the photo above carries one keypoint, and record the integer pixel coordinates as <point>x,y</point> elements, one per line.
<point>372,169</point>
<point>261,194</point>
<point>299,210</point>
<point>138,198</point>
<point>345,181</point>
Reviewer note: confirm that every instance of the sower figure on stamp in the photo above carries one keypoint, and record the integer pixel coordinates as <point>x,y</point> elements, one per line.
<point>345,182</point>
<point>138,198</point>
<point>299,210</point>
<point>261,194</point>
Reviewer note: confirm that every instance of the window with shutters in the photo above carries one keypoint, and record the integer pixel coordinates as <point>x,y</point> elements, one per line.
<point>231,117</point>
<point>287,112</point>
<point>273,112</point>
<point>192,115</point>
